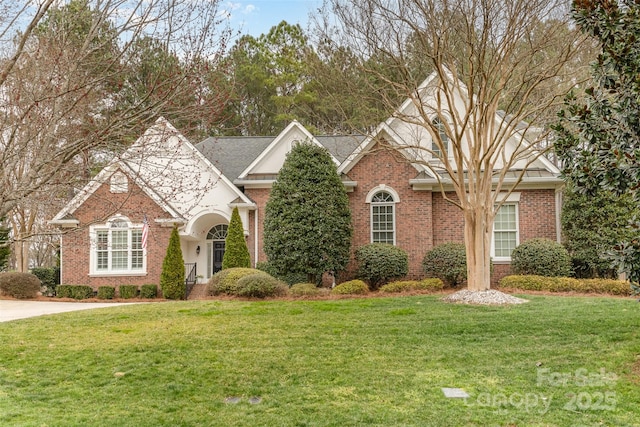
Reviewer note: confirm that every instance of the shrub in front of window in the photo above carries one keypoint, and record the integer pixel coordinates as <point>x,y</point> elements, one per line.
<point>74,291</point>
<point>19,285</point>
<point>148,291</point>
<point>304,290</point>
<point>236,253</point>
<point>352,287</point>
<point>172,276</point>
<point>50,278</point>
<point>541,257</point>
<point>261,285</point>
<point>380,262</point>
<point>225,282</point>
<point>106,292</point>
<point>128,291</point>
<point>447,262</point>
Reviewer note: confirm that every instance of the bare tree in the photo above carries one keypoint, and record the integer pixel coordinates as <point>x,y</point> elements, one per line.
<point>69,85</point>
<point>81,80</point>
<point>499,66</point>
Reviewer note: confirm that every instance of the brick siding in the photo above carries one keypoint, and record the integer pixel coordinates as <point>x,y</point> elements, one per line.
<point>97,209</point>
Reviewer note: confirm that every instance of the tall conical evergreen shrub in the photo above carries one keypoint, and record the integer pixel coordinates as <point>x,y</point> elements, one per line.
<point>172,276</point>
<point>236,253</point>
<point>307,225</point>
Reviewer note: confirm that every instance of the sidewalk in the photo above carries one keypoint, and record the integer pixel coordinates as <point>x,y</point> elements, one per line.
<point>16,309</point>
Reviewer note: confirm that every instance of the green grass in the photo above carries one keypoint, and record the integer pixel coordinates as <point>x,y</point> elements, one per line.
<point>354,362</point>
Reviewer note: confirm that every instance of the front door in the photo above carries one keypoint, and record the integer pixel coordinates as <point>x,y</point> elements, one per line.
<point>218,254</point>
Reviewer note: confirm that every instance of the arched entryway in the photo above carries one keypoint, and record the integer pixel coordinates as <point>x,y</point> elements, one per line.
<point>215,248</point>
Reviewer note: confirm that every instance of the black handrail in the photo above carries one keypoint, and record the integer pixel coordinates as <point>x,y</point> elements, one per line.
<point>190,279</point>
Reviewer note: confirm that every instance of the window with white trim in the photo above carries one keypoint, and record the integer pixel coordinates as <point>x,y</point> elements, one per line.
<point>440,127</point>
<point>383,221</point>
<point>117,248</point>
<point>505,231</point>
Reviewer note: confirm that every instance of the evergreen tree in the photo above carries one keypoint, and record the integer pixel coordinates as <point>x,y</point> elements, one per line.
<point>307,226</point>
<point>599,132</point>
<point>236,253</point>
<point>592,225</point>
<point>172,276</point>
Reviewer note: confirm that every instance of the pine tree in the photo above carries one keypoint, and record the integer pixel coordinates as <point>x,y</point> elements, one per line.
<point>236,253</point>
<point>172,276</point>
<point>307,226</point>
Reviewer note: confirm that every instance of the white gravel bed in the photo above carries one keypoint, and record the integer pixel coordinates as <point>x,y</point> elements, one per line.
<point>488,297</point>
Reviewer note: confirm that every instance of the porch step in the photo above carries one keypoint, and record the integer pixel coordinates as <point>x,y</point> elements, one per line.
<point>199,291</point>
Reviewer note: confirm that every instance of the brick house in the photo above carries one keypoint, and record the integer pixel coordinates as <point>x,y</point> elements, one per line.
<point>166,181</point>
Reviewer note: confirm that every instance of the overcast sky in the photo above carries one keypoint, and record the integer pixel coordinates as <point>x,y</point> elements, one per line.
<point>256,17</point>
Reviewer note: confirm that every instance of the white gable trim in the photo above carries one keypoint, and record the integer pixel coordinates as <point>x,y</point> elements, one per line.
<point>361,150</point>
<point>277,141</point>
<point>206,161</point>
<point>103,177</point>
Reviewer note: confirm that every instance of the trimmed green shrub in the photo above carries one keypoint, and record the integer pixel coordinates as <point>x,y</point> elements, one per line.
<point>304,290</point>
<point>19,285</point>
<point>74,291</point>
<point>431,284</point>
<point>260,285</point>
<point>289,278</point>
<point>172,276</point>
<point>352,287</point>
<point>307,221</point>
<point>447,262</point>
<point>565,284</point>
<point>148,291</point>
<point>50,278</point>
<point>128,291</point>
<point>380,262</point>
<point>226,281</point>
<point>541,257</point>
<point>106,292</point>
<point>236,253</point>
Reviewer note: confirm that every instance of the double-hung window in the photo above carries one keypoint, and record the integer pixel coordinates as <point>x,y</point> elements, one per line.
<point>505,231</point>
<point>117,248</point>
<point>383,221</point>
<point>444,138</point>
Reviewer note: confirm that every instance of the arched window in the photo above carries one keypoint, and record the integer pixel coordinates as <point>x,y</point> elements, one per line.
<point>440,127</point>
<point>219,232</point>
<point>117,247</point>
<point>383,221</point>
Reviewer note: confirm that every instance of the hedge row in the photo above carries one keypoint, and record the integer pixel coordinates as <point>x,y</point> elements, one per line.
<point>430,284</point>
<point>106,292</point>
<point>246,282</point>
<point>566,284</point>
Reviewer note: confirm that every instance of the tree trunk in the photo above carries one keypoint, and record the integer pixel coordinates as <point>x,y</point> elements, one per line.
<point>477,236</point>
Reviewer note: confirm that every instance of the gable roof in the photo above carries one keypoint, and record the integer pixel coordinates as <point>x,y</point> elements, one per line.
<point>153,162</point>
<point>389,128</point>
<point>234,155</point>
<point>103,177</point>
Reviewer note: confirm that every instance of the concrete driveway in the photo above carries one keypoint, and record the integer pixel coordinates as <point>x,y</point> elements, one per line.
<point>16,309</point>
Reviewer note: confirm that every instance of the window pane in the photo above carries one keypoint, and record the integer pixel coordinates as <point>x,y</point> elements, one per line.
<point>119,260</point>
<point>505,235</point>
<point>102,247</point>
<point>119,240</point>
<point>382,224</point>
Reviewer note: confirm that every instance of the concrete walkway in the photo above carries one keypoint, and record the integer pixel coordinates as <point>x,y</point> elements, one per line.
<point>16,309</point>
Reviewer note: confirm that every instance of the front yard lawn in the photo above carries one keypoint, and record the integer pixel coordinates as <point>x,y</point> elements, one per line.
<point>555,361</point>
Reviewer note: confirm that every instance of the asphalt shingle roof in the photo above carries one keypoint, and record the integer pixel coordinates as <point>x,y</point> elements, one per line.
<point>233,154</point>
